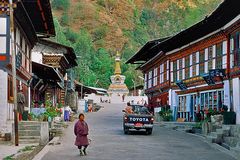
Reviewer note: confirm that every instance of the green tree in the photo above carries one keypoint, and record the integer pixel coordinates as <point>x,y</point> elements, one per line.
<point>60,36</point>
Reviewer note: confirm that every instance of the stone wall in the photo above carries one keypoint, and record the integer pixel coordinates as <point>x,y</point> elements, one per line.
<point>44,133</point>
<point>235,131</point>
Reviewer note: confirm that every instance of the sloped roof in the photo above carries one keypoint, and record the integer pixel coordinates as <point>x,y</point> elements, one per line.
<point>143,54</point>
<point>227,11</point>
<point>40,13</point>
<point>70,54</point>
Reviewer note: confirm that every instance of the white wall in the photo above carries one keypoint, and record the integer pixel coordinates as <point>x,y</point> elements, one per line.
<point>227,93</point>
<point>236,98</point>
<point>3,101</point>
<point>37,57</point>
<point>173,102</point>
<point>116,99</point>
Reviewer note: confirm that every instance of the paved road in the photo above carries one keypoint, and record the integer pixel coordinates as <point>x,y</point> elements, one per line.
<point>109,142</point>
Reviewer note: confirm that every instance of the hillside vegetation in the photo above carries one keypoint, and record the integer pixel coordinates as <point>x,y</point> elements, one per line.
<point>96,29</point>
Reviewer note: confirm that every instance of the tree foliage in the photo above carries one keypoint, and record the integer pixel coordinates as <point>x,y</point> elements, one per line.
<point>61,4</point>
<point>95,62</point>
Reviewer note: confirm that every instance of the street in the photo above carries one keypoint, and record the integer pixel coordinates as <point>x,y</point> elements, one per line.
<point>109,142</point>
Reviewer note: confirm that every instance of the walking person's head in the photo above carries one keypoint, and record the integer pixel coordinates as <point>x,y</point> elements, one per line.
<point>81,117</point>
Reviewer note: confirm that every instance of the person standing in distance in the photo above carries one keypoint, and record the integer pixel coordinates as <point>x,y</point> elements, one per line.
<point>81,132</point>
<point>20,103</point>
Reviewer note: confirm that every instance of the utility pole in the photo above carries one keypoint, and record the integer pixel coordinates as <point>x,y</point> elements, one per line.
<point>134,91</point>
<point>14,73</point>
<point>81,91</point>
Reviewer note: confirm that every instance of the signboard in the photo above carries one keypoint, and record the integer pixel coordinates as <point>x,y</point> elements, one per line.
<point>217,72</point>
<point>4,40</point>
<point>181,85</point>
<point>208,78</point>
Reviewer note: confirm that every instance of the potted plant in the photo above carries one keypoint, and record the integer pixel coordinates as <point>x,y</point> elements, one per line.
<point>30,116</point>
<point>228,117</point>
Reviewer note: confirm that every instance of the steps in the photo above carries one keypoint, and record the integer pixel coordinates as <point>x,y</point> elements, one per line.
<point>58,128</point>
<point>228,137</point>
<point>232,141</point>
<point>215,137</point>
<point>218,135</point>
<point>29,132</point>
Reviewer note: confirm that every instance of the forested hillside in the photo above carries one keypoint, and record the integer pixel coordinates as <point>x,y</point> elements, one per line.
<point>96,29</point>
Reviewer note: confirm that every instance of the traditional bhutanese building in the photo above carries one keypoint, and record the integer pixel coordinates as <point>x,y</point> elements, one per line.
<point>52,69</point>
<point>156,74</point>
<point>201,65</point>
<point>31,20</point>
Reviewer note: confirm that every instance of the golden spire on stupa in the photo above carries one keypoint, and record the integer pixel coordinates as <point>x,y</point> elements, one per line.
<point>117,65</point>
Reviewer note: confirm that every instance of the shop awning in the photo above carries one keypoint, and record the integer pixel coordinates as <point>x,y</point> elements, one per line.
<point>45,72</point>
<point>89,90</point>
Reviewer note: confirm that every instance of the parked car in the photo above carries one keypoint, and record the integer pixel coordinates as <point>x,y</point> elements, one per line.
<point>141,119</point>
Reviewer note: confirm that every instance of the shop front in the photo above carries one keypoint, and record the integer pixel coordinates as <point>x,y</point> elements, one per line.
<point>191,104</point>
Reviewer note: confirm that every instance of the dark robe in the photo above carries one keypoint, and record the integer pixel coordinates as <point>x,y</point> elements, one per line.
<point>20,102</point>
<point>81,132</point>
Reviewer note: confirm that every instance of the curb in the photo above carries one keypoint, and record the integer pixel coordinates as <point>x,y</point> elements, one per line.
<point>213,145</point>
<point>31,154</point>
<point>46,148</point>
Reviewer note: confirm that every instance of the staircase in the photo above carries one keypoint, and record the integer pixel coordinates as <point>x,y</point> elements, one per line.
<point>228,136</point>
<point>217,134</point>
<point>29,132</point>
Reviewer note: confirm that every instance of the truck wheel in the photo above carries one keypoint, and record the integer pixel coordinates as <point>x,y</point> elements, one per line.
<point>149,131</point>
<point>126,131</point>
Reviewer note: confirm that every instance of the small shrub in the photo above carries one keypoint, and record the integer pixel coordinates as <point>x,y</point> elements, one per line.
<point>166,115</point>
<point>71,36</point>
<point>61,4</point>
<point>8,157</point>
<point>64,19</point>
<point>101,3</point>
<point>198,124</point>
<point>147,15</point>
<point>100,33</point>
<point>27,148</point>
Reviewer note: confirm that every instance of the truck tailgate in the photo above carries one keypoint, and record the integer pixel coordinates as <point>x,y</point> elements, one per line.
<point>145,119</point>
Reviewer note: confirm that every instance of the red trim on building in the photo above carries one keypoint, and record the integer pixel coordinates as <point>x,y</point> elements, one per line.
<point>3,58</point>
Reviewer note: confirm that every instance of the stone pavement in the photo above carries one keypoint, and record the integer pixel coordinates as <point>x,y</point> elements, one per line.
<point>109,142</point>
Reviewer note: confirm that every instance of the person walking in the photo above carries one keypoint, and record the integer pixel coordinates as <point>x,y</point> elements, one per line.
<point>81,132</point>
<point>67,112</point>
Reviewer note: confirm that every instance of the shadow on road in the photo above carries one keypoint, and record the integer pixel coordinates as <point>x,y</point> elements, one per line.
<point>137,133</point>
